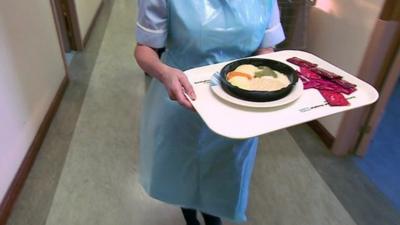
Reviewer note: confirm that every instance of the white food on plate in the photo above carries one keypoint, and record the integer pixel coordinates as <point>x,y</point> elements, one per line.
<point>247,68</point>
<point>264,83</point>
<point>268,83</point>
<point>241,82</point>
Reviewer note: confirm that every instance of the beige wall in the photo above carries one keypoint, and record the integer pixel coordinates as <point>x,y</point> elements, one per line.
<point>86,10</point>
<point>31,69</point>
<point>339,32</point>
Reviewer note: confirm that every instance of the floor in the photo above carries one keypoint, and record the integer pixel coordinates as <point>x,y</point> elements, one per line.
<point>382,162</point>
<point>86,170</point>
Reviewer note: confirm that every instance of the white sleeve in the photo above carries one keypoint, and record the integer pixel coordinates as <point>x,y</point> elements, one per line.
<point>151,26</point>
<point>273,34</point>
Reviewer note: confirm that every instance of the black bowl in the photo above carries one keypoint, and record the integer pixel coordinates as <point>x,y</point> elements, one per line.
<point>259,96</point>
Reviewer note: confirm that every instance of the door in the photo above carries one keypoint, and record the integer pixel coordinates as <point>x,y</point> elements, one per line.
<point>381,68</point>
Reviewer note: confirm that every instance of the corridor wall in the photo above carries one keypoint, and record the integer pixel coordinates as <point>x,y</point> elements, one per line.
<point>31,71</point>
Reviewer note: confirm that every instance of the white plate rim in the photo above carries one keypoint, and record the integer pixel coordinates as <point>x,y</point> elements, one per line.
<point>296,92</point>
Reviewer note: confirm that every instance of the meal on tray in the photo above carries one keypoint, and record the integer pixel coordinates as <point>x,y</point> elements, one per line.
<point>253,78</point>
<point>258,80</point>
<point>331,86</point>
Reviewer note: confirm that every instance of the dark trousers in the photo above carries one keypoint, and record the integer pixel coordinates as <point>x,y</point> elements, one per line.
<point>191,218</point>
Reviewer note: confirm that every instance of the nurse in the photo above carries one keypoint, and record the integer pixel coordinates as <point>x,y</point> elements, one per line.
<point>182,162</point>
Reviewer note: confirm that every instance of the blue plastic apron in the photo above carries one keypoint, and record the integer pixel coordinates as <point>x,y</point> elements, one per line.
<point>182,161</point>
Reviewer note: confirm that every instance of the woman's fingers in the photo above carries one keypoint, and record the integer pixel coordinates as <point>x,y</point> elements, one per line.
<point>187,86</point>
<point>176,93</point>
<point>177,85</point>
<point>181,98</point>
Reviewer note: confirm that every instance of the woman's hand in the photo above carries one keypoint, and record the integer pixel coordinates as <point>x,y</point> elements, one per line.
<point>173,79</point>
<point>177,85</point>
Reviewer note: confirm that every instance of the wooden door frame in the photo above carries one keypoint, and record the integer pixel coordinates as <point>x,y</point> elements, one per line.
<point>57,23</point>
<point>77,41</point>
<point>376,114</point>
<point>61,26</point>
<point>379,66</point>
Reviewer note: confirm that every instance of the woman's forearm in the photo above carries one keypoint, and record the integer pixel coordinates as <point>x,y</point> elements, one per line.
<point>262,51</point>
<point>149,61</point>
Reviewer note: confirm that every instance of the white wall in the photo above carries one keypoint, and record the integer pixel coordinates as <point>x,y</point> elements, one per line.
<point>339,32</point>
<point>31,70</point>
<point>86,10</point>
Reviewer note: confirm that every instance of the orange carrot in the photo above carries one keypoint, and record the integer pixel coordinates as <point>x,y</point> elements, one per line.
<point>235,73</point>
